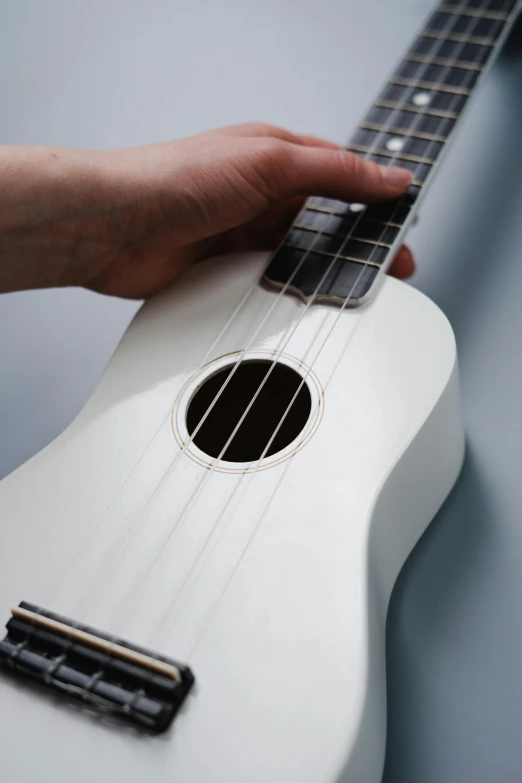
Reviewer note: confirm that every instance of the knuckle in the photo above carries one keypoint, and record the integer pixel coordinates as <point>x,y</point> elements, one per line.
<point>260,128</point>
<point>358,168</point>
<point>273,161</point>
<point>351,164</point>
<point>274,152</point>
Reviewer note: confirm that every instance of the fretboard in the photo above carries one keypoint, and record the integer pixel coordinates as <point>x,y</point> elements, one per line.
<point>337,251</point>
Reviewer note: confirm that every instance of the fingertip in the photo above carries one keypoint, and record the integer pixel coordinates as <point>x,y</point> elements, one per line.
<point>403,265</point>
<point>396,177</point>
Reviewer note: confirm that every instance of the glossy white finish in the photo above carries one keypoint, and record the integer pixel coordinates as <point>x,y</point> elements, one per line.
<point>272,585</point>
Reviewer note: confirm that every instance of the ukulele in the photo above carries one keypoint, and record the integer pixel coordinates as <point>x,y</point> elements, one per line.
<point>208,551</point>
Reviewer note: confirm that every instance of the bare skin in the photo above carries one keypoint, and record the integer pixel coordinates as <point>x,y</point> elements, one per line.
<point>129,222</point>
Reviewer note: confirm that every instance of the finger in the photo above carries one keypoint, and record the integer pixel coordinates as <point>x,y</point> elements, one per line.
<point>315,141</point>
<point>264,232</point>
<point>403,265</point>
<point>287,170</point>
<point>279,216</point>
<point>265,130</point>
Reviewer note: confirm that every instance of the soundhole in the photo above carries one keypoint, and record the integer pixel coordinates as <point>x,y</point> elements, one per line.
<point>263,418</point>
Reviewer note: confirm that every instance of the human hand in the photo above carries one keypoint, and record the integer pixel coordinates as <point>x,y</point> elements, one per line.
<point>128,222</point>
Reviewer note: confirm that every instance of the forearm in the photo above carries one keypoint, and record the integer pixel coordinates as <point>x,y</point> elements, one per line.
<point>53,217</point>
<point>128,222</point>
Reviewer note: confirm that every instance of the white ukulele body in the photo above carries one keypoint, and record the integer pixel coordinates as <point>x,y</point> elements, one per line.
<point>275,583</point>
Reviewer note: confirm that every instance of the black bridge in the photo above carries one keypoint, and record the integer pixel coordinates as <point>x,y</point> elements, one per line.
<point>108,673</point>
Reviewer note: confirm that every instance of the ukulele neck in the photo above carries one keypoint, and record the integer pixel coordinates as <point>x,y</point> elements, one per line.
<point>335,251</point>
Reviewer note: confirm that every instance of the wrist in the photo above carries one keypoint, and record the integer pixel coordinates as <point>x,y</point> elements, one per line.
<point>54,206</point>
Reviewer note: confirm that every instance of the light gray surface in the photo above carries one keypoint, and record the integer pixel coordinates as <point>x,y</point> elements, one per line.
<point>122,72</point>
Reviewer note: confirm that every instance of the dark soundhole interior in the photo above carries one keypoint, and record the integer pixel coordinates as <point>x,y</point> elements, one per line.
<point>263,417</point>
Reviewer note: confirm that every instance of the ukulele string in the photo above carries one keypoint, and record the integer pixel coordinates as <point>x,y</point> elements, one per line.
<point>240,359</point>
<point>172,465</point>
<point>189,441</point>
<point>169,614</point>
<point>121,486</point>
<point>230,321</point>
<point>205,478</point>
<point>164,620</point>
<point>202,363</point>
<point>127,537</point>
<point>198,489</point>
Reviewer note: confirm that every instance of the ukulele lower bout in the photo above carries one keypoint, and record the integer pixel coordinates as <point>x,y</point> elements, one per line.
<point>272,586</point>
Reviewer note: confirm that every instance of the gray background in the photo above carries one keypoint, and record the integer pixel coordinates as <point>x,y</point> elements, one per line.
<point>123,72</point>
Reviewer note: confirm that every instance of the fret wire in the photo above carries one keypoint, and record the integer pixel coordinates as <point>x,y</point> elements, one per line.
<point>402,132</point>
<point>335,255</point>
<point>464,10</point>
<point>343,214</point>
<point>384,104</point>
<point>397,155</point>
<point>302,227</point>
<point>466,65</point>
<point>404,82</point>
<point>447,65</point>
<point>458,37</point>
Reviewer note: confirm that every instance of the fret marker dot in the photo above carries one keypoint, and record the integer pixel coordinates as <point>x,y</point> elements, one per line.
<point>421,98</point>
<point>357,207</point>
<point>395,144</point>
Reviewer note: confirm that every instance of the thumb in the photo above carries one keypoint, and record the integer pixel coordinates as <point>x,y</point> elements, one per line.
<point>295,170</point>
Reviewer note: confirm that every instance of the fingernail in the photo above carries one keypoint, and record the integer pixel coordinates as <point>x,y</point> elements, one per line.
<point>395,176</point>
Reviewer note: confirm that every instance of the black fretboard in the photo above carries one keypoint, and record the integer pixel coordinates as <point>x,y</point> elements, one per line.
<point>335,251</point>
